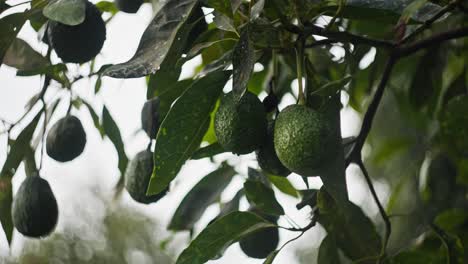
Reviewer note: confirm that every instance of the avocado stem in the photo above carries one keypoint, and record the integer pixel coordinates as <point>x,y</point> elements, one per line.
<point>299,64</point>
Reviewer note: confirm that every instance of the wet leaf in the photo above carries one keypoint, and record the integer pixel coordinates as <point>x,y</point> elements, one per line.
<point>68,12</point>
<point>203,194</point>
<point>156,41</point>
<point>182,130</point>
<point>220,235</point>
<point>262,197</point>
<point>23,57</point>
<point>243,61</point>
<point>113,132</point>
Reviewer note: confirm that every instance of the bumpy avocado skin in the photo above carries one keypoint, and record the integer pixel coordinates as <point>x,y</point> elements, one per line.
<point>80,43</point>
<point>34,209</point>
<point>240,127</point>
<point>267,158</point>
<point>66,139</point>
<point>137,177</point>
<point>150,117</point>
<point>261,243</point>
<point>304,140</point>
<point>128,6</point>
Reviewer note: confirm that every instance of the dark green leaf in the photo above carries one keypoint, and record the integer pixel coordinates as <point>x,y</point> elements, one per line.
<point>112,131</point>
<point>224,22</point>
<point>223,6</point>
<point>168,94</point>
<point>220,64</point>
<point>262,197</point>
<point>221,234</point>
<point>156,41</point>
<point>68,12</point>
<point>232,205</point>
<point>203,194</point>
<point>6,198</point>
<point>283,184</point>
<point>271,257</point>
<point>10,26</point>
<point>452,219</point>
<point>182,130</point>
<point>208,151</point>
<point>412,257</point>
<point>22,56</point>
<point>328,252</point>
<point>95,118</point>
<point>56,72</point>
<point>161,82</point>
<point>19,148</point>
<point>243,61</point>
<point>352,230</point>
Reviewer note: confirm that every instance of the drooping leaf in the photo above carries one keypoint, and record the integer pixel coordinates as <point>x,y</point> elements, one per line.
<point>262,197</point>
<point>328,251</point>
<point>156,41</point>
<point>232,205</point>
<point>6,198</point>
<point>10,26</point>
<point>220,234</point>
<point>208,151</point>
<point>182,130</point>
<point>19,148</point>
<point>283,184</point>
<point>352,230</point>
<point>203,194</point>
<point>68,12</point>
<point>95,118</point>
<point>113,132</point>
<point>22,56</point>
<point>56,72</point>
<point>243,61</point>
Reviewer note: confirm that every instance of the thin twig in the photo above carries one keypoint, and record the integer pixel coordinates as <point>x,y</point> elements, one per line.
<point>388,226</point>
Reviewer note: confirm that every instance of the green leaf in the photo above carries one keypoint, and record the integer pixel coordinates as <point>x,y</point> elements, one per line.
<point>412,257</point>
<point>203,194</point>
<point>352,230</point>
<point>112,131</point>
<point>161,82</point>
<point>232,205</point>
<point>224,22</point>
<point>68,12</point>
<point>6,198</point>
<point>208,151</point>
<point>262,197</point>
<point>220,235</point>
<point>95,118</point>
<point>271,257</point>
<point>257,8</point>
<point>156,42</point>
<point>223,6</point>
<point>451,220</point>
<point>106,6</point>
<point>328,251</point>
<point>56,72</point>
<point>182,130</point>
<point>10,26</point>
<point>168,94</point>
<point>283,184</point>
<point>22,56</point>
<point>243,61</point>
<point>19,148</point>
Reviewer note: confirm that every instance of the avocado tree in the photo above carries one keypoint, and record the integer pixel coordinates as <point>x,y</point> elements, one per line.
<point>403,67</point>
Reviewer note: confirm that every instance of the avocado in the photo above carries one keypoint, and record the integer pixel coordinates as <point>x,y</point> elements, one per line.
<point>261,243</point>
<point>66,139</point>
<point>34,209</point>
<point>304,140</point>
<point>150,117</point>
<point>267,158</point>
<point>79,43</point>
<point>137,177</point>
<point>128,6</point>
<point>240,127</point>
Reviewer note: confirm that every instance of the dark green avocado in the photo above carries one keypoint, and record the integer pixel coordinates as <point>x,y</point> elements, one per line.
<point>66,139</point>
<point>267,158</point>
<point>150,117</point>
<point>128,6</point>
<point>240,127</point>
<point>137,177</point>
<point>34,209</point>
<point>80,43</point>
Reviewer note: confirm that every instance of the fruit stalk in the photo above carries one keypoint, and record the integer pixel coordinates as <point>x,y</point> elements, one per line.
<point>300,64</point>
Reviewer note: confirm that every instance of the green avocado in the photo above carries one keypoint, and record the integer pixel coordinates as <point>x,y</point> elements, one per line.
<point>34,210</point>
<point>128,6</point>
<point>240,127</point>
<point>267,158</point>
<point>66,139</point>
<point>261,243</point>
<point>304,140</point>
<point>137,177</point>
<point>150,117</point>
<point>80,43</point>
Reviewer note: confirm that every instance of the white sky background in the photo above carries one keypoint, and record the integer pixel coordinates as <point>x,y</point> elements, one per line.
<point>96,168</point>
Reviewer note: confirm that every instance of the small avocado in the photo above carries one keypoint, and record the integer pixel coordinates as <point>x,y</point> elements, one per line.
<point>128,6</point>
<point>267,158</point>
<point>304,140</point>
<point>150,117</point>
<point>261,243</point>
<point>80,43</point>
<point>240,127</point>
<point>34,209</point>
<point>66,139</point>
<point>137,177</point>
